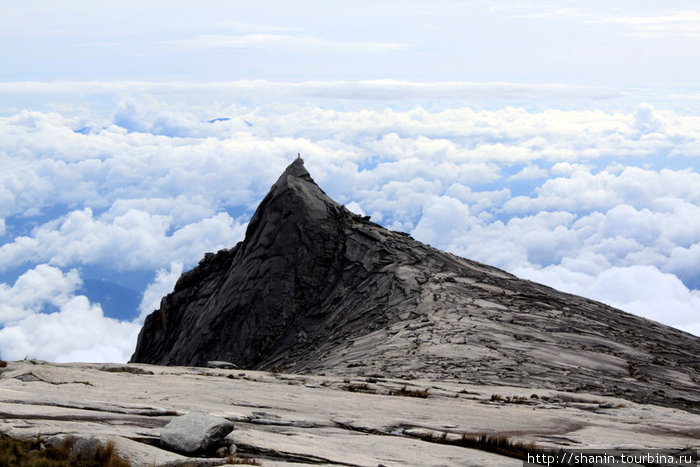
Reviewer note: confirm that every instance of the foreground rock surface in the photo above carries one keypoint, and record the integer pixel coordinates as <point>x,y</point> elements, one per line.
<point>284,419</point>
<point>314,288</point>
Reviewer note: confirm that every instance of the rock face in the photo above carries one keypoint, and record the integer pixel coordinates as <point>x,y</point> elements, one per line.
<point>316,288</point>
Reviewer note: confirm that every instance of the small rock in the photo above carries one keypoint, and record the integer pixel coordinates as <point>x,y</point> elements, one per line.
<point>222,365</point>
<point>85,447</point>
<point>27,377</point>
<point>459,340</point>
<point>56,441</point>
<point>195,432</point>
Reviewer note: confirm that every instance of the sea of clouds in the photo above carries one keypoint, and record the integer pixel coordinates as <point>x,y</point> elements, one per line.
<point>604,204</point>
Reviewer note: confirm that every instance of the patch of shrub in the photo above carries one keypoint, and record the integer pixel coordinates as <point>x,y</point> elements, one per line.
<point>498,444</point>
<point>404,391</point>
<point>361,387</point>
<point>32,454</point>
<point>510,399</point>
<point>242,460</point>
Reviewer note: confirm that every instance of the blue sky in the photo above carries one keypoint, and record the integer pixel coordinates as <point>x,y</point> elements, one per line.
<point>557,140</point>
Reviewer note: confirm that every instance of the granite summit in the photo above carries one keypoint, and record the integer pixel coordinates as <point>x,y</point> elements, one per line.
<point>314,288</point>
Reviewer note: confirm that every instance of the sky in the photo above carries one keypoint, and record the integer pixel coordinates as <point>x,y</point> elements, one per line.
<point>557,140</point>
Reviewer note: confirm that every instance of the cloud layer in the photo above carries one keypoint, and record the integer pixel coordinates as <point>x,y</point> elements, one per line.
<point>599,203</point>
<point>73,330</point>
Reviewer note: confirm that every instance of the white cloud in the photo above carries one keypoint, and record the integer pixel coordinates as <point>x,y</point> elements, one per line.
<point>32,291</point>
<point>162,285</point>
<point>283,41</point>
<point>75,328</point>
<point>152,186</point>
<point>531,172</point>
<point>442,217</point>
<point>353,206</point>
<point>675,22</point>
<point>683,262</point>
<point>586,191</point>
<point>656,24</point>
<point>380,90</point>
<point>568,169</point>
<point>78,327</point>
<point>641,290</point>
<point>645,120</point>
<point>133,240</point>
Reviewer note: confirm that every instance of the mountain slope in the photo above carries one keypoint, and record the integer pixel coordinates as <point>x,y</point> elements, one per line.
<point>315,288</point>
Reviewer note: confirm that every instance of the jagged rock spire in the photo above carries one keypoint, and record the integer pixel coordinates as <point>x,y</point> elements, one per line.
<point>313,287</point>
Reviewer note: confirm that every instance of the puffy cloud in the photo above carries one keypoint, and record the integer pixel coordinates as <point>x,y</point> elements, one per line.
<point>587,191</point>
<point>642,290</point>
<point>683,262</point>
<point>34,290</point>
<point>443,216</point>
<point>79,328</point>
<point>132,240</point>
<point>645,120</point>
<point>162,285</point>
<point>353,206</point>
<point>576,199</point>
<point>529,173</point>
<point>73,328</point>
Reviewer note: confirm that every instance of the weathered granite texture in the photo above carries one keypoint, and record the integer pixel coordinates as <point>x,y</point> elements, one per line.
<point>315,288</point>
<point>304,420</point>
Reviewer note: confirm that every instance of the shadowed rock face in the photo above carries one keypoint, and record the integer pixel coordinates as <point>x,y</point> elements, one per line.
<point>316,288</point>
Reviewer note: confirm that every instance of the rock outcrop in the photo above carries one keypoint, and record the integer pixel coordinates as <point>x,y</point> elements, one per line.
<point>315,288</point>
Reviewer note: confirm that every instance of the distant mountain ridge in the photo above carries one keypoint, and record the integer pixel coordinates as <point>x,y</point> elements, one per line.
<point>316,288</point>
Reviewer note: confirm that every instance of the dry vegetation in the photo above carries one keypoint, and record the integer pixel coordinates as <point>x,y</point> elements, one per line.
<point>239,460</point>
<point>512,399</point>
<point>492,443</point>
<point>404,391</point>
<point>360,387</point>
<point>31,454</point>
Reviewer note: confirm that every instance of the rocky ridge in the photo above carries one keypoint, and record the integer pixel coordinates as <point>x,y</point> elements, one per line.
<point>314,288</point>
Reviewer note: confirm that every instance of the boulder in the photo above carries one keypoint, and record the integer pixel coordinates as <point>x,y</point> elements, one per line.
<point>195,433</point>
<point>221,365</point>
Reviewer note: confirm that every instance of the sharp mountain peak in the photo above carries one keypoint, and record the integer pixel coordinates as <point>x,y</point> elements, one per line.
<point>316,288</point>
